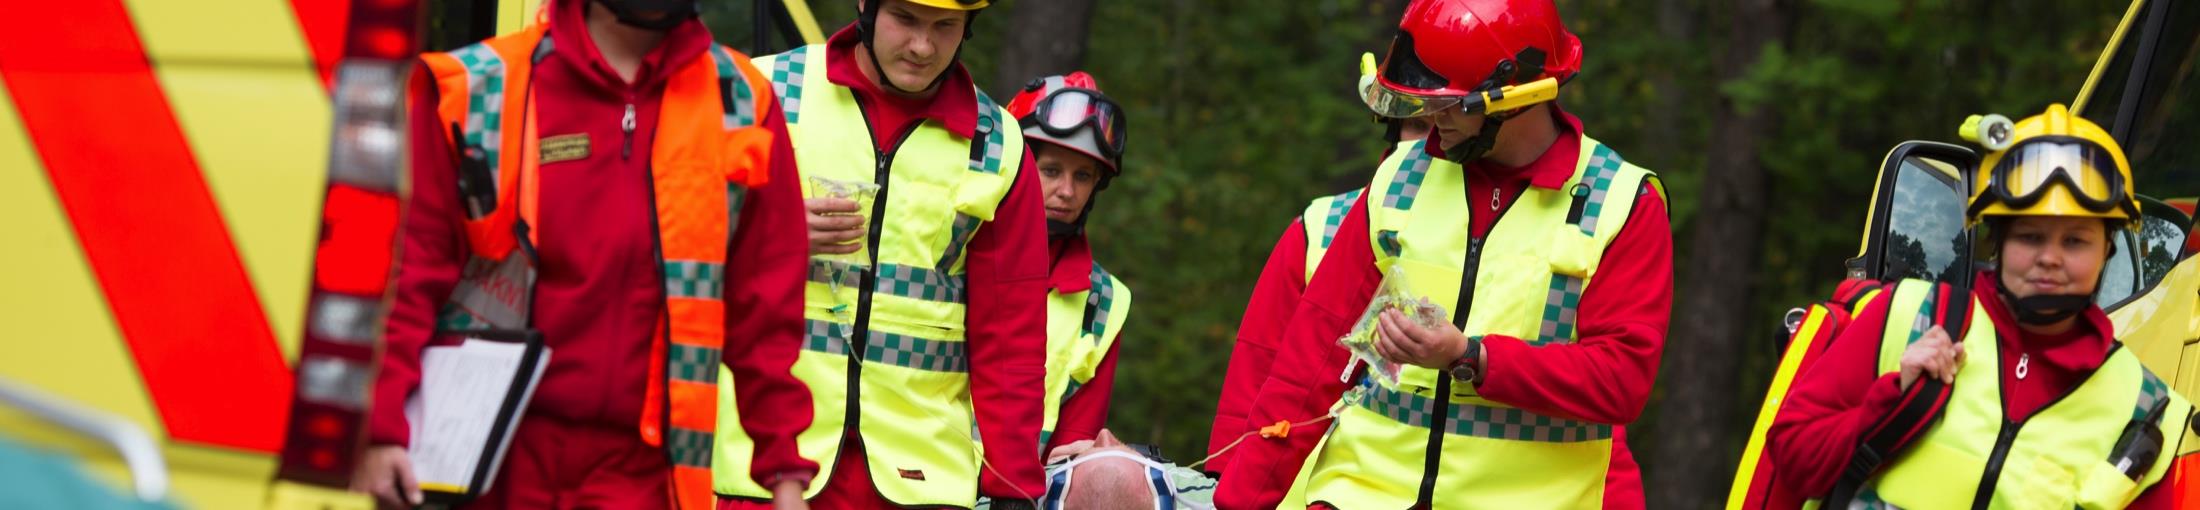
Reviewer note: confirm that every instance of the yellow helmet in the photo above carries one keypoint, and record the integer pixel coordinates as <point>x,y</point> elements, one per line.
<point>958,5</point>
<point>2051,164</point>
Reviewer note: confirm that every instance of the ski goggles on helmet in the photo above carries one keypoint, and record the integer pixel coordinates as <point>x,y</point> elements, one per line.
<point>2027,171</point>
<point>1065,111</point>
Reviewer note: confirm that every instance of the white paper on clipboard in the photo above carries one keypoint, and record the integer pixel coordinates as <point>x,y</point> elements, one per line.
<point>454,414</point>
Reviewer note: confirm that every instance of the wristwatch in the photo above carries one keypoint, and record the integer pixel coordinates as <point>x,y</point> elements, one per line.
<point>1468,368</point>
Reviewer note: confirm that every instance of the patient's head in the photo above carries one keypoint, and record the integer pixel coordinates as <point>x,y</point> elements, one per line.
<point>1105,476</point>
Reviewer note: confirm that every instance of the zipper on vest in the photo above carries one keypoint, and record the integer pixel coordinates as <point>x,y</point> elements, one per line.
<point>883,161</point>
<point>626,126</point>
<point>1988,482</point>
<point>1433,459</point>
<point>2002,443</point>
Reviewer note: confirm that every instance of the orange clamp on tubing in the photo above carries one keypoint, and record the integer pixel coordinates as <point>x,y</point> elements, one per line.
<point>1281,429</point>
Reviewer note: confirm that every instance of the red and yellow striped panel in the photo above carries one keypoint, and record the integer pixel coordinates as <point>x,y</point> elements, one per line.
<point>165,160</point>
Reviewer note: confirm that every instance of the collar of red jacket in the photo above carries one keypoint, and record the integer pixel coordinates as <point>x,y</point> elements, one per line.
<point>954,105</point>
<point>569,23</point>
<point>2093,323</point>
<point>1072,268</point>
<point>1549,171</point>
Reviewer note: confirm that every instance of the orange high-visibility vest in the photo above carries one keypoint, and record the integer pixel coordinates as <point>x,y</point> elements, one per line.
<point>708,151</point>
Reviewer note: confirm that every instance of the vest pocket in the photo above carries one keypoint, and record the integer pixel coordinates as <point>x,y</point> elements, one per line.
<point>1574,255</point>
<point>2041,484</point>
<point>2104,486</point>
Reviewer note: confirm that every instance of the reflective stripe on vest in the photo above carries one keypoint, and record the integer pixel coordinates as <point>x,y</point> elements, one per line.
<point>1526,285</point>
<point>1320,221</point>
<point>707,153</point>
<point>939,192</point>
<point>1081,327</point>
<point>2060,457</point>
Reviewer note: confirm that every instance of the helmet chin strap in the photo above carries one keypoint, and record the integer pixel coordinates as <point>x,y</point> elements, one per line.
<point>1479,145</point>
<point>2043,309</point>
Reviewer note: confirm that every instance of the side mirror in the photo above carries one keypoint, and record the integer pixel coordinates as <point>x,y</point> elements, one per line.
<point>2144,257</point>
<point>1916,227</point>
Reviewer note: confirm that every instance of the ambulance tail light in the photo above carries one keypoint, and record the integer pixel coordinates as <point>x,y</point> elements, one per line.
<point>355,260</point>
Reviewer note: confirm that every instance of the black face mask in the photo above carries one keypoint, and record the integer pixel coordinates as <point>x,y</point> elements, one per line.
<point>675,12</point>
<point>2043,309</point>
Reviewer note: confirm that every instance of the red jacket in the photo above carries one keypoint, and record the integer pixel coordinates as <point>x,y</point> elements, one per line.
<point>1007,264</point>
<point>1605,377</point>
<point>1086,412</point>
<point>1275,295</point>
<point>1840,396</point>
<point>598,296</point>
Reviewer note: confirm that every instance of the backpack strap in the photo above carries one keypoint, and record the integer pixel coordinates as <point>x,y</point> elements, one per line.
<point>1949,306</point>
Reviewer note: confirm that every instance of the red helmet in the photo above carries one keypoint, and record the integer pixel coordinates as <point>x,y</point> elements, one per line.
<point>1450,52</point>
<point>1069,111</point>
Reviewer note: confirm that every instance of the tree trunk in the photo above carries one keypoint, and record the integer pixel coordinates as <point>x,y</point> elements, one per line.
<point>1045,37</point>
<point>1662,133</point>
<point>1696,421</point>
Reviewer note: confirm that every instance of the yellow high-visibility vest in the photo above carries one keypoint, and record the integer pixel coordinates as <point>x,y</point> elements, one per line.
<point>2061,457</point>
<point>1081,327</point>
<point>909,389</point>
<point>1526,283</point>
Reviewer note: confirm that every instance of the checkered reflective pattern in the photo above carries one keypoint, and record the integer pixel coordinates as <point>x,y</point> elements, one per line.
<point>987,158</point>
<point>826,337</point>
<point>893,279</point>
<point>688,447</point>
<point>1339,205</point>
<point>692,363</point>
<point>889,348</point>
<point>786,75</point>
<point>694,279</point>
<point>2151,391</point>
<point>918,353</point>
<point>739,102</point>
<point>1604,164</point>
<point>1099,302</point>
<point>484,126</point>
<point>1563,302</point>
<point>1560,308</point>
<point>959,236</point>
<point>1481,421</point>
<point>1406,184</point>
<point>1923,321</point>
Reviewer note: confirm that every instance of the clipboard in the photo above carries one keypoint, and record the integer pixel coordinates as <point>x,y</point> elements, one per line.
<point>487,456</point>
